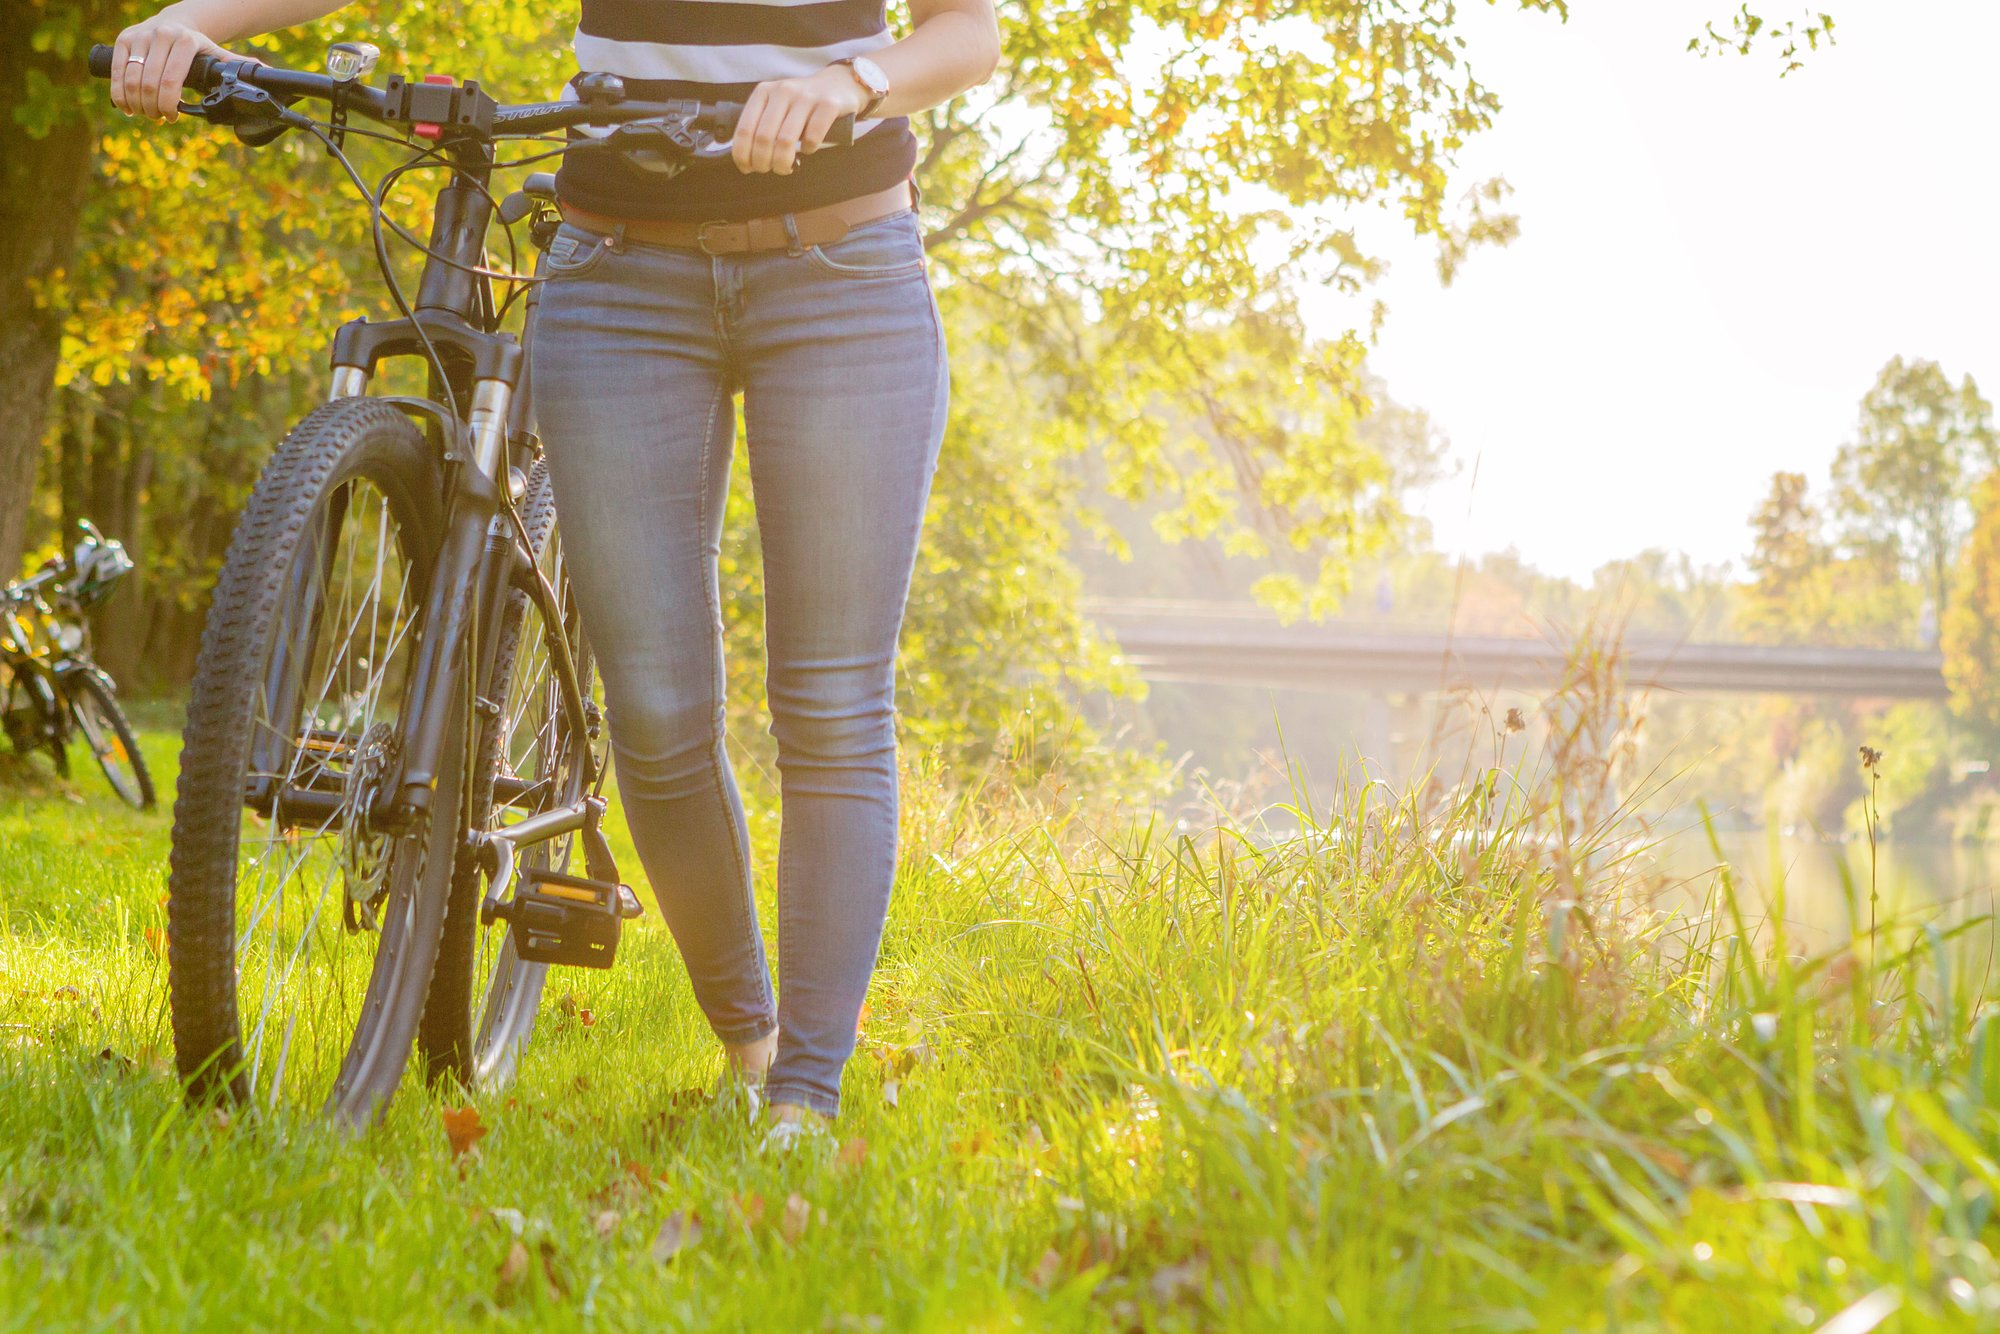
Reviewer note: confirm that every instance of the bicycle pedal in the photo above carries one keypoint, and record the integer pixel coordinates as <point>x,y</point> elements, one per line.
<point>566,919</point>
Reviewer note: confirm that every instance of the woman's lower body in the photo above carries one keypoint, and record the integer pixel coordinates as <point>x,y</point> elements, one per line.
<point>838,352</point>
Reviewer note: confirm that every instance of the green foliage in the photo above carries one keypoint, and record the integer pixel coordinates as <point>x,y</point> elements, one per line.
<point>1747,32</point>
<point>1903,488</point>
<point>1140,197</point>
<point>1972,626</point>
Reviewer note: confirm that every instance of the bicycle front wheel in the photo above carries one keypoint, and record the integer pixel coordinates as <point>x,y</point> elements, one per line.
<point>301,938</point>
<point>110,737</point>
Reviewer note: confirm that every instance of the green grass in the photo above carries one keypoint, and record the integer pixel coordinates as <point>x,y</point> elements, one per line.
<point>1387,1076</point>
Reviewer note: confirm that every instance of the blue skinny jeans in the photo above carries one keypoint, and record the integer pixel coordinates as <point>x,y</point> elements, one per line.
<point>838,351</point>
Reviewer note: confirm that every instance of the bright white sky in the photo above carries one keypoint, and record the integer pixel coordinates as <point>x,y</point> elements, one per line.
<point>1714,262</point>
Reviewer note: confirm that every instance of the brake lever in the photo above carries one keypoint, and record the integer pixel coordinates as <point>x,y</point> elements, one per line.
<point>257,117</point>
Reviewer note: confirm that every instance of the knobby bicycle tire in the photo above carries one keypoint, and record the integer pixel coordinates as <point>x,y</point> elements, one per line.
<point>476,1023</point>
<point>87,692</point>
<point>345,441</point>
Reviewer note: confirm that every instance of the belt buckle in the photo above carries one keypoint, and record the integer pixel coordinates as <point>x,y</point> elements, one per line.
<point>701,237</point>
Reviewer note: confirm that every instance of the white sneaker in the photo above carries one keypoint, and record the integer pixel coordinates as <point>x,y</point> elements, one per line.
<point>788,1136</point>
<point>732,1087</point>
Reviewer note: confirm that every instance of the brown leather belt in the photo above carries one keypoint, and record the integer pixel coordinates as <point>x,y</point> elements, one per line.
<point>809,227</point>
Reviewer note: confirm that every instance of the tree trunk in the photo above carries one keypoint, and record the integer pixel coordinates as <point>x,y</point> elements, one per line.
<point>42,182</point>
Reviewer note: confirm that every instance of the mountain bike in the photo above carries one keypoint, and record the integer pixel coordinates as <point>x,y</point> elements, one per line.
<point>392,746</point>
<point>54,692</point>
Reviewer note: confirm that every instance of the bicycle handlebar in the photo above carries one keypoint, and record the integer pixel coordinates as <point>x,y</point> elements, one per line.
<point>461,110</point>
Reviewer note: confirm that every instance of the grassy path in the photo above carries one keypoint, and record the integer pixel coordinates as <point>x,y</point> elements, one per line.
<point>1127,1081</point>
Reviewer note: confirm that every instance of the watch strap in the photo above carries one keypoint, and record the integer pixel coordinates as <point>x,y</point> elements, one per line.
<point>874,97</point>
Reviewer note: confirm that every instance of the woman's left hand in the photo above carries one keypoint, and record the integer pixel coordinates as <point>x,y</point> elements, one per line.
<point>785,119</point>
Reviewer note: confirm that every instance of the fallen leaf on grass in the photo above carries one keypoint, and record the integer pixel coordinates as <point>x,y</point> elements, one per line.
<point>125,1064</point>
<point>891,1091</point>
<point>748,1207</point>
<point>463,1129</point>
<point>551,1271</point>
<point>1671,1161</point>
<point>517,1270</point>
<point>681,1230</point>
<point>902,1060</point>
<point>1048,1269</point>
<point>671,1120</point>
<point>515,1267</point>
<point>605,1223</point>
<point>1171,1282</point>
<point>853,1153</point>
<point>157,940</point>
<point>972,1145</point>
<point>65,993</point>
<point>571,1010</point>
<point>797,1215</point>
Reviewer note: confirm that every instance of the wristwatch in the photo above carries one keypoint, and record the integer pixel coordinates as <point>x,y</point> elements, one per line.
<point>871,77</point>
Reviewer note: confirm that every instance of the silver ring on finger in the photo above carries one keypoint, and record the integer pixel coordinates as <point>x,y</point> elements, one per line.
<point>135,60</point>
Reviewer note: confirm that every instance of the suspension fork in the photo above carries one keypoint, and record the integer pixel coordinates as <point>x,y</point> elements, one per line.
<point>461,606</point>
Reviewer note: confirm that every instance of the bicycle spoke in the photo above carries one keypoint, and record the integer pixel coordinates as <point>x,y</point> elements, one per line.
<point>302,965</point>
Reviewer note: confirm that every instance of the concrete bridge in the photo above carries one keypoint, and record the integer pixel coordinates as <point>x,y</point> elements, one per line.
<point>1226,644</point>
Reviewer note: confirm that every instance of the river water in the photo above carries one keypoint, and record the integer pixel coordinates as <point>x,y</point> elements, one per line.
<point>1824,888</point>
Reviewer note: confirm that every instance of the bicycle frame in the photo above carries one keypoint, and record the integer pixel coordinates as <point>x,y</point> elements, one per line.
<point>34,660</point>
<point>479,558</point>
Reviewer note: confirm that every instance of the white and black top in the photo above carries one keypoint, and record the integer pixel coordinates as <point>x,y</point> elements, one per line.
<point>718,50</point>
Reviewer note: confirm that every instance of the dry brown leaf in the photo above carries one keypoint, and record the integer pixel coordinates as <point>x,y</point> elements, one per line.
<point>906,1059</point>
<point>157,940</point>
<point>681,1230</point>
<point>853,1153</point>
<point>1048,1269</point>
<point>972,1145</point>
<point>892,1091</point>
<point>634,1179</point>
<point>463,1129</point>
<point>797,1214</point>
<point>552,1271</point>
<point>1170,1282</point>
<point>748,1206</point>
<point>515,1267</point>
<point>1669,1160</point>
<point>606,1222</point>
<point>586,1018</point>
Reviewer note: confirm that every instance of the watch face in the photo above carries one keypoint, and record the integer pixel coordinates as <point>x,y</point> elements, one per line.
<point>872,75</point>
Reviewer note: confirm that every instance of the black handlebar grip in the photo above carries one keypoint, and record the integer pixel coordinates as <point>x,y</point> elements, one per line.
<point>202,73</point>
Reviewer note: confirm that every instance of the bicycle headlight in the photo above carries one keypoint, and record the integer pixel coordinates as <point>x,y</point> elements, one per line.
<point>69,638</point>
<point>350,60</point>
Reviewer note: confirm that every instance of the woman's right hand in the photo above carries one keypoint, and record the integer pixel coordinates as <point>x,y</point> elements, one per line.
<point>149,63</point>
